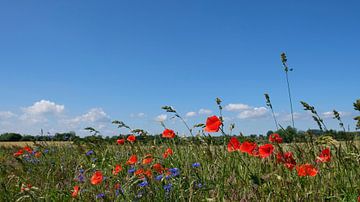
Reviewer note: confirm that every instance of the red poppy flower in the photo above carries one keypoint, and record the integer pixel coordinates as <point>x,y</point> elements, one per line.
<point>96,178</point>
<point>132,160</point>
<point>167,133</point>
<point>131,138</point>
<point>358,198</point>
<point>233,144</point>
<point>158,167</point>
<point>120,141</point>
<point>139,172</point>
<point>275,138</point>
<point>248,147</point>
<point>213,124</point>
<point>18,153</point>
<point>148,173</point>
<point>325,156</point>
<point>148,159</point>
<point>287,159</point>
<point>28,149</point>
<point>167,153</point>
<point>75,191</point>
<point>306,170</point>
<point>266,150</point>
<point>117,169</point>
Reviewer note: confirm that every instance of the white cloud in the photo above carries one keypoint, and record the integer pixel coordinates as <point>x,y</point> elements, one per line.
<point>92,116</point>
<point>6,115</point>
<point>330,114</point>
<point>256,112</point>
<point>237,107</point>
<point>205,111</point>
<point>161,117</point>
<point>44,107</point>
<point>138,115</point>
<point>40,111</point>
<point>190,114</point>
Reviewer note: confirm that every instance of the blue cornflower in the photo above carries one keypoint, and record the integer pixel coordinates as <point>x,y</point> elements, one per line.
<point>143,184</point>
<point>94,159</point>
<point>81,178</point>
<point>159,177</point>
<point>81,170</point>
<point>196,165</point>
<point>131,170</point>
<point>89,152</point>
<point>101,195</point>
<point>199,185</point>
<point>174,172</point>
<point>167,187</point>
<point>46,151</point>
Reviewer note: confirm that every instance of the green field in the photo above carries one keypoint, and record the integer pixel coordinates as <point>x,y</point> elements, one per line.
<point>220,175</point>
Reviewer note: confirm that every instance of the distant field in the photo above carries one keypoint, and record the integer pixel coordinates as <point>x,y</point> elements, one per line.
<point>29,143</point>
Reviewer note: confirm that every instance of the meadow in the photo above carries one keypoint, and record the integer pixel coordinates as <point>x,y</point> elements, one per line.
<point>319,169</point>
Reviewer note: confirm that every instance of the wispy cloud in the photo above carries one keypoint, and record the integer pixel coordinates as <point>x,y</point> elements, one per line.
<point>237,107</point>
<point>138,115</point>
<point>190,114</point>
<point>253,113</point>
<point>205,111</point>
<point>161,117</point>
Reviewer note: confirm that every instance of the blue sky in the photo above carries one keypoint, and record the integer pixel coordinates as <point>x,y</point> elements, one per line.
<point>69,64</point>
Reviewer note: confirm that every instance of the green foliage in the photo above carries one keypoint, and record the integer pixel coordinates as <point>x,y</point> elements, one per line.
<point>10,137</point>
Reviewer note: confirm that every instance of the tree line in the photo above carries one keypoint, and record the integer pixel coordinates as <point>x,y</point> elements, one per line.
<point>288,134</point>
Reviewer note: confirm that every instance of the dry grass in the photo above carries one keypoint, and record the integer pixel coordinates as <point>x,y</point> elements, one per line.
<point>29,143</point>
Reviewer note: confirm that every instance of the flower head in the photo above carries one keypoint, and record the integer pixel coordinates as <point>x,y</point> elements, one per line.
<point>132,160</point>
<point>117,169</point>
<point>28,149</point>
<point>167,187</point>
<point>325,156</point>
<point>101,195</point>
<point>168,152</point>
<point>174,172</point>
<point>148,159</point>
<point>248,147</point>
<point>159,177</point>
<point>90,152</point>
<point>75,192</point>
<point>275,138</point>
<point>18,153</point>
<point>158,167</point>
<point>306,170</point>
<point>213,124</point>
<point>120,141</point>
<point>97,178</point>
<point>233,144</point>
<point>168,133</point>
<point>196,165</point>
<point>131,138</point>
<point>266,150</point>
<point>143,184</point>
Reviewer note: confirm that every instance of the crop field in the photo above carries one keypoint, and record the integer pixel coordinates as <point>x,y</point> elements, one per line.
<point>322,170</point>
<point>29,143</point>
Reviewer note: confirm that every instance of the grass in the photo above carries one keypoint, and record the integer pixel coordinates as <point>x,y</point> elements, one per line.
<point>222,175</point>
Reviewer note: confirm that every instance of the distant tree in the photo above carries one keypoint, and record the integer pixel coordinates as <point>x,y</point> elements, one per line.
<point>10,137</point>
<point>28,138</point>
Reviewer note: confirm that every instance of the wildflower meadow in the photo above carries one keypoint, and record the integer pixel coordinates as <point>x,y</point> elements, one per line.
<point>173,168</point>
